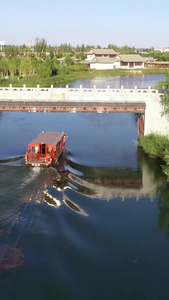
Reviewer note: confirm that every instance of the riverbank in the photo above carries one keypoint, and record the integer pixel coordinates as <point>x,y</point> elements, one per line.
<point>76,75</point>
<point>156,146</point>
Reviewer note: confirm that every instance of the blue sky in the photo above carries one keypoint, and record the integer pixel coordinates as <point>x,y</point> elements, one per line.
<point>127,22</point>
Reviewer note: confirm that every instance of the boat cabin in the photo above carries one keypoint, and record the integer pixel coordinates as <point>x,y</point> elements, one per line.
<point>45,149</point>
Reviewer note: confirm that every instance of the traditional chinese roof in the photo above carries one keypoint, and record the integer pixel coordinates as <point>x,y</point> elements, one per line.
<point>149,59</point>
<point>104,51</point>
<point>121,57</point>
<point>159,62</point>
<point>50,138</point>
<point>131,58</point>
<point>103,60</point>
<point>101,51</point>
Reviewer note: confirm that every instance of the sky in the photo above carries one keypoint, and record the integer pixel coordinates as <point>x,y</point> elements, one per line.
<point>135,23</point>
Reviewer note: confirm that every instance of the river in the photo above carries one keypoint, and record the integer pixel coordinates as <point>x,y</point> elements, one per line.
<point>93,227</point>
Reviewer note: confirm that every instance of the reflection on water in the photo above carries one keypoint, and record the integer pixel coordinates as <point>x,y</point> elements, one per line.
<point>74,206</point>
<point>52,185</point>
<point>93,227</point>
<point>51,200</point>
<point>40,207</point>
<point>130,81</point>
<point>162,190</point>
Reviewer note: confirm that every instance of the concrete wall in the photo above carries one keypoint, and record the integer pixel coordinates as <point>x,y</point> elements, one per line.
<point>100,66</point>
<point>155,121</point>
<point>116,64</point>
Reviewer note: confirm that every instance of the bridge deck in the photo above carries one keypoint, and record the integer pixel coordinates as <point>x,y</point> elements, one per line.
<point>71,106</point>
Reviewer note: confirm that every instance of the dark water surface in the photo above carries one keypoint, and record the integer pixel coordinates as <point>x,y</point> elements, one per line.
<point>93,227</point>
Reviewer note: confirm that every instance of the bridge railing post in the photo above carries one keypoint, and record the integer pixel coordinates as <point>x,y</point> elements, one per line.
<point>80,93</point>
<point>108,92</point>
<point>94,93</point>
<point>67,92</point>
<point>37,90</point>
<point>24,91</point>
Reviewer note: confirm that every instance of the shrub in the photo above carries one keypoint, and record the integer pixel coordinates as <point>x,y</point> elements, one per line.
<point>155,145</point>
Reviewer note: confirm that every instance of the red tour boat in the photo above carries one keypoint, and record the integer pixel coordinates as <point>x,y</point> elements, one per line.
<point>45,149</point>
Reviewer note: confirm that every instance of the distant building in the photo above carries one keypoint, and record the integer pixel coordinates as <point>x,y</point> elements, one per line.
<point>2,43</point>
<point>162,49</point>
<point>97,53</point>
<point>104,59</point>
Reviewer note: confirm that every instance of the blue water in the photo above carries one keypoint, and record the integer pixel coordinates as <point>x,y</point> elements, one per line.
<point>93,227</point>
<point>130,81</point>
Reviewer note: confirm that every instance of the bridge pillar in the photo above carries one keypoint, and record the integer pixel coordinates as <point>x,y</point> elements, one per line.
<point>141,126</point>
<point>155,120</point>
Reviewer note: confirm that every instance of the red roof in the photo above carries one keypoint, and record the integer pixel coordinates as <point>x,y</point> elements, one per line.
<point>49,137</point>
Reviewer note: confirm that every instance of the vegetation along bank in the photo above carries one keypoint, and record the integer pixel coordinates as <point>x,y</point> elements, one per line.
<point>47,65</point>
<point>156,145</point>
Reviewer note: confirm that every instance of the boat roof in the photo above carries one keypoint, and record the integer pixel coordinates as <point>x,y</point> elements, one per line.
<point>49,137</point>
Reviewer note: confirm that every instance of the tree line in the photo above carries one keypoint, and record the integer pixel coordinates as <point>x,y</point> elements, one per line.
<point>44,60</point>
<point>32,66</point>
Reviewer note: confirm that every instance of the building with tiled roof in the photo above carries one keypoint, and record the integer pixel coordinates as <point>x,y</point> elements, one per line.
<point>103,59</point>
<point>96,53</point>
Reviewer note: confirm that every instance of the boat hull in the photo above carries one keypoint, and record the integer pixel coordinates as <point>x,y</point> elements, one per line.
<point>43,163</point>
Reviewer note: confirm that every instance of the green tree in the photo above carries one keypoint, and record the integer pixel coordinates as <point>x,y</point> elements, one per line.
<point>40,46</point>
<point>68,61</point>
<point>25,67</point>
<point>167,79</point>
<point>81,56</point>
<point>165,99</point>
<point>13,66</point>
<point>35,64</point>
<point>4,67</point>
<point>45,69</point>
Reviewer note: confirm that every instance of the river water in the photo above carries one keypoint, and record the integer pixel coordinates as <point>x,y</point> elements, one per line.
<point>93,227</point>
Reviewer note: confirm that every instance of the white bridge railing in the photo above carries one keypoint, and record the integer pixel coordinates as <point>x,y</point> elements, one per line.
<point>78,94</point>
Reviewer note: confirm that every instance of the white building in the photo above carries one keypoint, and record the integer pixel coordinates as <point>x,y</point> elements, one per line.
<point>2,43</point>
<point>162,49</point>
<point>104,59</point>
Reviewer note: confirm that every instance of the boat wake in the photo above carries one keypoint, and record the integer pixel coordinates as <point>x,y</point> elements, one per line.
<point>15,161</point>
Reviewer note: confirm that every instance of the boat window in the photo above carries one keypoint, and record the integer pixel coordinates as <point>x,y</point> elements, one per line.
<point>36,149</point>
<point>33,149</point>
<point>43,148</point>
<point>49,149</point>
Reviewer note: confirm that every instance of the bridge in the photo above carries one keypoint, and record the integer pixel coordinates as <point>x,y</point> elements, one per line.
<point>105,100</point>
